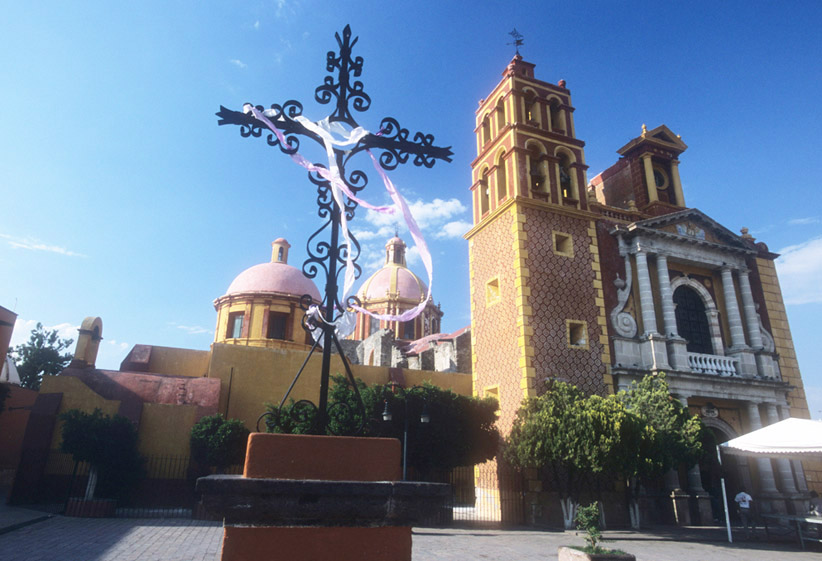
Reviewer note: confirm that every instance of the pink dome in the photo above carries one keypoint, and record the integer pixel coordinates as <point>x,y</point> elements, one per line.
<point>395,280</point>
<point>274,277</point>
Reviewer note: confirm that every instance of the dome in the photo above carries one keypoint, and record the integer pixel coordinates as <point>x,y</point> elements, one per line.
<point>395,280</point>
<point>274,277</point>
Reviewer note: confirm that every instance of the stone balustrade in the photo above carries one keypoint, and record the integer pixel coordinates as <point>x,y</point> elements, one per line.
<point>713,364</point>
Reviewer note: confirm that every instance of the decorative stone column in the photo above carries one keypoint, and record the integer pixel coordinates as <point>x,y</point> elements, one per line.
<point>646,295</point>
<point>747,361</point>
<point>799,471</point>
<point>732,309</point>
<point>751,319</point>
<point>783,466</point>
<point>653,349</point>
<point>770,494</point>
<point>649,178</point>
<point>680,197</point>
<point>700,500</point>
<point>677,346</point>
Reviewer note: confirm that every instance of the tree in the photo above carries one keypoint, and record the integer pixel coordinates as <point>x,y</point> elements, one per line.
<point>576,438</point>
<point>109,445</point>
<point>218,442</point>
<point>41,355</point>
<point>461,430</point>
<point>670,436</point>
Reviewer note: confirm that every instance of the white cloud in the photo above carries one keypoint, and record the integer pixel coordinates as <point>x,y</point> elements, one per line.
<point>427,214</point>
<point>454,229</point>
<point>256,24</point>
<point>803,221</point>
<point>118,344</point>
<point>238,63</point>
<point>34,244</point>
<point>800,268</point>
<point>285,8</point>
<point>191,329</point>
<point>24,327</point>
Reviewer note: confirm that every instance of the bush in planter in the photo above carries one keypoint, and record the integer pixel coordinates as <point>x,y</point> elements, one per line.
<point>109,445</point>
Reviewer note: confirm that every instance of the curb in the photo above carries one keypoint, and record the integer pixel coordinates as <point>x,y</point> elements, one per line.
<point>13,527</point>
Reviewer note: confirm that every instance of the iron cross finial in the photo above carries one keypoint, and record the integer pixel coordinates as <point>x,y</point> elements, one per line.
<point>518,39</point>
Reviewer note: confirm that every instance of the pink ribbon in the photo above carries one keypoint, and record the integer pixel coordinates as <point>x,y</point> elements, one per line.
<point>338,186</point>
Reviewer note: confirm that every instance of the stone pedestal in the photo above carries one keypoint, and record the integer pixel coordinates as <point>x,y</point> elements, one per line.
<point>682,509</point>
<point>701,512</point>
<point>307,498</point>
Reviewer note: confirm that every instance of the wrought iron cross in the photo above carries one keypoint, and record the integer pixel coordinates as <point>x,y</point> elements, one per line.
<point>394,147</point>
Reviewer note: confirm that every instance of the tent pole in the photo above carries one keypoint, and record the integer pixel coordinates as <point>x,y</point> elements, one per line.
<point>724,496</point>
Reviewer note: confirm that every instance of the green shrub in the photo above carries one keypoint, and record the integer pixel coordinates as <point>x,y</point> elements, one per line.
<point>218,442</point>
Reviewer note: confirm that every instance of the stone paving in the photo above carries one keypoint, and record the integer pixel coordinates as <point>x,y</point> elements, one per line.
<point>81,539</point>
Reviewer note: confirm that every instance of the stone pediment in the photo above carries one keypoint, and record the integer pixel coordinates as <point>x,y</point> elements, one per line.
<point>690,226</point>
<point>659,137</point>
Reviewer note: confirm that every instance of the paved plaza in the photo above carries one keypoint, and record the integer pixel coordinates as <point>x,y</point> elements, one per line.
<point>27,536</point>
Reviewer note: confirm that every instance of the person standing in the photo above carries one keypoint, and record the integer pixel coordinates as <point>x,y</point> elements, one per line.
<point>745,503</point>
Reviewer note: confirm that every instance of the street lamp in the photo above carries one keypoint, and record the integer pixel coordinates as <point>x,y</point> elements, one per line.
<point>387,416</point>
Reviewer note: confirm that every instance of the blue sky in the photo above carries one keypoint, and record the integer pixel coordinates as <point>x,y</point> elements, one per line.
<point>124,199</point>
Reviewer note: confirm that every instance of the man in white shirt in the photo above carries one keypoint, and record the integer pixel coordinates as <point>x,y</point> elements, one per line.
<point>745,502</point>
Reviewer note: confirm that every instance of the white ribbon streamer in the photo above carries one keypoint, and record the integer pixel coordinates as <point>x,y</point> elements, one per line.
<point>326,131</point>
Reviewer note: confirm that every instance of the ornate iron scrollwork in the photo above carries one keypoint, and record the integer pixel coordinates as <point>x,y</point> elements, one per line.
<point>328,252</point>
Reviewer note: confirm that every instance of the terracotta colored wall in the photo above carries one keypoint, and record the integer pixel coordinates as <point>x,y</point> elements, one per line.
<point>491,255</point>
<point>562,288</point>
<point>13,424</point>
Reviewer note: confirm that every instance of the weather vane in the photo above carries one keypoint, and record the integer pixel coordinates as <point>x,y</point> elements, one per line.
<point>518,37</point>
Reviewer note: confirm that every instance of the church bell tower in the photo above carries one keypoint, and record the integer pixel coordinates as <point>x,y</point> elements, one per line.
<point>537,306</point>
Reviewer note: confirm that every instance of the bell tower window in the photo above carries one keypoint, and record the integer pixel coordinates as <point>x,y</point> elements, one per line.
<point>483,193</point>
<point>535,170</point>
<point>567,181</point>
<point>502,180</point>
<point>486,130</point>
<point>500,110</point>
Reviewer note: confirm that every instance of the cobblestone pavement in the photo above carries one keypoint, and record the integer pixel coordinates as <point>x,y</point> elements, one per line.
<point>82,539</point>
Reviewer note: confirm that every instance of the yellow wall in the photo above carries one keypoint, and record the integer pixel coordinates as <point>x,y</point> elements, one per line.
<point>178,362</point>
<point>263,375</point>
<point>76,395</point>
<point>165,429</point>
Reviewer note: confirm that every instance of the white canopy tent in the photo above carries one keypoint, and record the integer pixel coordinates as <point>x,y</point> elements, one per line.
<point>790,439</point>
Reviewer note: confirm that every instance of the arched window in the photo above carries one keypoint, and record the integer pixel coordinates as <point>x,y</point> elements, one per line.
<point>692,321</point>
<point>500,116</point>
<point>532,115</point>
<point>536,170</point>
<point>483,192</point>
<point>486,129</point>
<point>567,182</point>
<point>502,179</point>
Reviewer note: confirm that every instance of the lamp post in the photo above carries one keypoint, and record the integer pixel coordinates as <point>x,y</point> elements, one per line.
<point>387,416</point>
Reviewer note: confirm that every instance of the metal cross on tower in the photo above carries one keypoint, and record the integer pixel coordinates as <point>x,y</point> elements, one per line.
<point>392,142</point>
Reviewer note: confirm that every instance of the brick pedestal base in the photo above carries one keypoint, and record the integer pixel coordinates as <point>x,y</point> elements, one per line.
<point>311,544</point>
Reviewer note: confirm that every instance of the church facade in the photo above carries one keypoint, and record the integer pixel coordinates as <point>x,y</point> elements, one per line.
<point>601,282</point>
